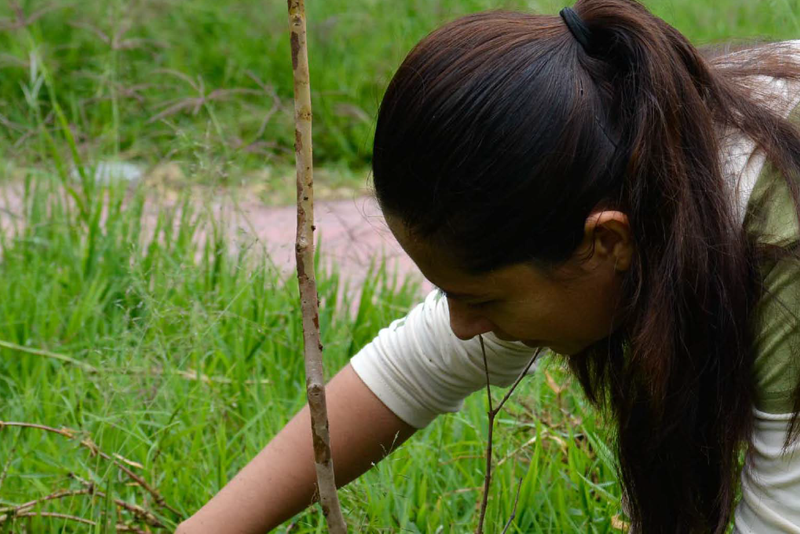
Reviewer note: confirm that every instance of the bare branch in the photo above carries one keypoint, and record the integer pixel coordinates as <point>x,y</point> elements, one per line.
<point>492,414</point>
<point>519,379</point>
<point>486,370</point>
<point>90,490</point>
<point>487,478</point>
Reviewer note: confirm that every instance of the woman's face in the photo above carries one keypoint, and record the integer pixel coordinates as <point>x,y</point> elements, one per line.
<point>566,309</point>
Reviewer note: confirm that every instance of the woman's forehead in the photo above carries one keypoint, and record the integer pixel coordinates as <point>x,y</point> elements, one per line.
<point>442,268</point>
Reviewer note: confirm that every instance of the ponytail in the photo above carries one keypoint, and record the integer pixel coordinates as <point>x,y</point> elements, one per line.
<point>684,389</point>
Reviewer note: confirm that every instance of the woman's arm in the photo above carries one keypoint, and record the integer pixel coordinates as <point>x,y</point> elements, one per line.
<point>770,480</point>
<point>281,480</point>
<point>417,368</point>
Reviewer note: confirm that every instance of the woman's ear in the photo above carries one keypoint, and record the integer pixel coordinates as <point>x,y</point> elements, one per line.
<point>610,233</point>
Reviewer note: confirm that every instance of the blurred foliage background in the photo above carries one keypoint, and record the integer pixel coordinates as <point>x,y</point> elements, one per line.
<point>207,84</point>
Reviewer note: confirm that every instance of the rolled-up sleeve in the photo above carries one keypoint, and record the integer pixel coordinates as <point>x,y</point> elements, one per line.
<point>419,369</point>
<point>771,480</point>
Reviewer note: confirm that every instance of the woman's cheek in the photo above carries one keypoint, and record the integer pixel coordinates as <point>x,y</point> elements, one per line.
<point>517,323</point>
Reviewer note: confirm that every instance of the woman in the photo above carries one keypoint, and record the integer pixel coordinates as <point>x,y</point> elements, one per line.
<point>592,184</point>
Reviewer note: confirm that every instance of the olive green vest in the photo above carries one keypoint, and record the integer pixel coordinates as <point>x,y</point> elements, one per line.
<point>777,326</point>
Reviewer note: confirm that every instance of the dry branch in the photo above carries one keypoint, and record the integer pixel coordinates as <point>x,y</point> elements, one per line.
<point>26,506</point>
<point>95,451</point>
<point>312,347</point>
<point>492,414</point>
<point>118,527</point>
<point>90,489</point>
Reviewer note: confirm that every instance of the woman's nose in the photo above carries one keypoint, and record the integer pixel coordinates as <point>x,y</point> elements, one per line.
<point>465,322</point>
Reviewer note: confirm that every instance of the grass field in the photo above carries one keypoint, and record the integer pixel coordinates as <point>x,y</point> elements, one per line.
<point>207,84</point>
<point>164,344</point>
<point>178,349</point>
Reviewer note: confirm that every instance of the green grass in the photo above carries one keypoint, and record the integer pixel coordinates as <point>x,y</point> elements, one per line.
<point>105,310</point>
<point>111,306</point>
<point>141,299</point>
<point>131,76</point>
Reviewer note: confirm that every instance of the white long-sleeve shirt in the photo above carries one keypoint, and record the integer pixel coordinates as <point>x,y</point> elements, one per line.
<point>419,369</point>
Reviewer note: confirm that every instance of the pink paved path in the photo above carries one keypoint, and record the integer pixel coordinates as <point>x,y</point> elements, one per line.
<point>353,232</point>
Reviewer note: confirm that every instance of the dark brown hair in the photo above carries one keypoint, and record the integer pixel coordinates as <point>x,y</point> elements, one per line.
<point>500,133</point>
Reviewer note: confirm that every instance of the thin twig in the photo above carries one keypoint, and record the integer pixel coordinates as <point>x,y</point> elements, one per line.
<point>312,347</point>
<point>119,527</point>
<point>91,490</point>
<point>514,509</point>
<point>24,507</point>
<point>519,379</point>
<point>135,509</point>
<point>68,517</point>
<point>95,451</point>
<point>492,414</point>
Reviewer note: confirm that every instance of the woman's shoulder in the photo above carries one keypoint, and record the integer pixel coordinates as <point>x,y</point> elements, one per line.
<point>775,91</point>
<point>770,211</point>
<point>746,168</point>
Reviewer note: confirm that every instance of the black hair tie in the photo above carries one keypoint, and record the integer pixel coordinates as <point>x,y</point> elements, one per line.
<point>576,26</point>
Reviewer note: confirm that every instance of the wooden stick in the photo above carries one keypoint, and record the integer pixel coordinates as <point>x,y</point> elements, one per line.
<point>312,347</point>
